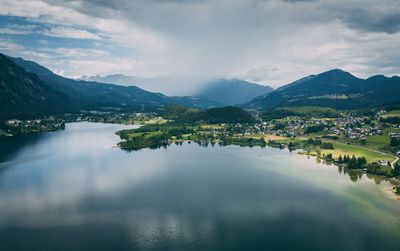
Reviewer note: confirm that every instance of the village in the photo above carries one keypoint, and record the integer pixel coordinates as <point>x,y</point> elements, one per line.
<point>371,136</point>
<point>16,127</point>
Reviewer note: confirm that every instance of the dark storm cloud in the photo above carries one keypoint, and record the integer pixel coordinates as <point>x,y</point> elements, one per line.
<point>363,15</point>
<point>367,16</point>
<point>271,41</point>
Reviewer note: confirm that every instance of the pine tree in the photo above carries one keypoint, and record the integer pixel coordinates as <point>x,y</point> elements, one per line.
<point>396,170</point>
<point>361,162</point>
<point>346,159</point>
<point>340,159</point>
<point>352,163</point>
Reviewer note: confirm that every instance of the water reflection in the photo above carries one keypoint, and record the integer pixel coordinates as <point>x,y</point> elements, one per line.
<point>353,174</point>
<point>80,193</point>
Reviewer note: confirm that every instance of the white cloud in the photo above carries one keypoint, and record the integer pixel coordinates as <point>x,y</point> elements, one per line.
<point>271,42</point>
<point>14,29</point>
<point>69,32</point>
<point>9,46</point>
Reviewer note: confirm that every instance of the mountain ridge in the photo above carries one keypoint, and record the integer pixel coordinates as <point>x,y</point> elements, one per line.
<point>24,94</point>
<point>334,88</point>
<point>95,95</point>
<point>232,91</point>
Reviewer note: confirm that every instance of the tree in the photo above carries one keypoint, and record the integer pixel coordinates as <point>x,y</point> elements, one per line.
<point>394,141</point>
<point>353,163</point>
<point>346,159</point>
<point>326,145</point>
<point>361,162</point>
<point>340,159</point>
<point>396,170</point>
<point>314,128</point>
<point>279,126</point>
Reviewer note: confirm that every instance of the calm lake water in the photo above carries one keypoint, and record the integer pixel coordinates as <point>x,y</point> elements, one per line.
<point>73,190</point>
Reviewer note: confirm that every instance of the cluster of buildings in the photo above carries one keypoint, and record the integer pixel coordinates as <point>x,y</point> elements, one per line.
<point>111,117</point>
<point>352,127</point>
<point>355,127</point>
<point>16,126</point>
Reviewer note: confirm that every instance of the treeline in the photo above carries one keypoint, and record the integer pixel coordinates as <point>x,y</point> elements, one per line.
<point>151,141</point>
<point>391,120</point>
<point>305,112</point>
<point>353,162</point>
<point>169,131</point>
<point>372,168</point>
<point>228,115</point>
<point>314,129</point>
<point>320,143</point>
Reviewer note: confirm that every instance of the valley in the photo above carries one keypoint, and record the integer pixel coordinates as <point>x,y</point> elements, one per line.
<point>332,123</point>
<point>198,125</point>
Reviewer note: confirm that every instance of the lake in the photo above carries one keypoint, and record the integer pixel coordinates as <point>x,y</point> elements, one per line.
<point>74,190</point>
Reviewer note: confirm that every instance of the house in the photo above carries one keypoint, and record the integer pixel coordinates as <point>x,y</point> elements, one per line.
<point>383,162</point>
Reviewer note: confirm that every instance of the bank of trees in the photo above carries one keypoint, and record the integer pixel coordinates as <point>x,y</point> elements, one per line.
<point>353,162</point>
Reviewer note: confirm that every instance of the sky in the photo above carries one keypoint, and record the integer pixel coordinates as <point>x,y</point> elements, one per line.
<point>271,42</point>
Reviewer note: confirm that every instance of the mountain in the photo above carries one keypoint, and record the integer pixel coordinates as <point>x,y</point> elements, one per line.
<point>95,95</point>
<point>118,79</point>
<point>335,89</point>
<point>170,86</point>
<point>23,94</point>
<point>233,91</point>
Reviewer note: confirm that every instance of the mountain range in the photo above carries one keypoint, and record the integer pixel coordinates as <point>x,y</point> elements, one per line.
<point>28,88</point>
<point>24,94</point>
<point>221,91</point>
<point>335,89</point>
<point>232,91</point>
<point>95,95</point>
<point>170,86</point>
<point>118,79</point>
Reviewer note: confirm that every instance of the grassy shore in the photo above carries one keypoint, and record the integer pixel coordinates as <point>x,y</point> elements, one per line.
<point>371,155</point>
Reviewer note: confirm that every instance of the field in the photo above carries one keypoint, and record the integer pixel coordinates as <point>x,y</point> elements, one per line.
<point>359,151</point>
<point>378,141</point>
<point>268,137</point>
<point>394,113</point>
<point>211,126</point>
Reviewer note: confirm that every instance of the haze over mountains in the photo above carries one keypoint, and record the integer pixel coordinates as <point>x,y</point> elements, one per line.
<point>222,91</point>
<point>119,79</point>
<point>233,91</point>
<point>92,94</point>
<point>29,88</point>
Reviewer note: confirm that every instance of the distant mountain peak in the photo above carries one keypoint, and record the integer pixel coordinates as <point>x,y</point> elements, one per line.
<point>336,73</point>
<point>382,77</point>
<point>232,91</point>
<point>336,70</point>
<point>376,77</point>
<point>335,88</point>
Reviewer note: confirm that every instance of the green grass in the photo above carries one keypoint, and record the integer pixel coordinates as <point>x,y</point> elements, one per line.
<point>394,113</point>
<point>378,141</point>
<point>358,151</point>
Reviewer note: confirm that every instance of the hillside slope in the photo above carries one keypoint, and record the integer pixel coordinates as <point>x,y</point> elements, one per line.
<point>232,92</point>
<point>24,94</point>
<point>336,89</point>
<point>95,95</point>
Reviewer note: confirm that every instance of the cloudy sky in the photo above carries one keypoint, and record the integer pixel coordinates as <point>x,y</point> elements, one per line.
<point>266,41</point>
